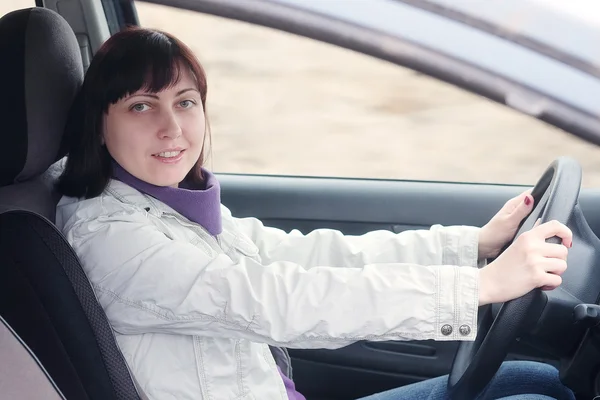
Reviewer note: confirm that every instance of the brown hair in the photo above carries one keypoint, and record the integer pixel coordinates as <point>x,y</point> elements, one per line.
<point>131,60</point>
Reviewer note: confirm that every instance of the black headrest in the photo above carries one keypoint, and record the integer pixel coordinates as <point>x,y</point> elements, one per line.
<point>40,72</point>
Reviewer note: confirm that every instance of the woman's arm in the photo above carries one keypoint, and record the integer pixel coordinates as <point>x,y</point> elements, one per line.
<point>455,245</point>
<point>147,282</point>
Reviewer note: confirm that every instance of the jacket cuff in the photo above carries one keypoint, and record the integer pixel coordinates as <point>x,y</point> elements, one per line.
<point>461,246</point>
<point>457,303</point>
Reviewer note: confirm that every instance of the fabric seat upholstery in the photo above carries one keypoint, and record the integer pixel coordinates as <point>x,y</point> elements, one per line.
<point>21,375</point>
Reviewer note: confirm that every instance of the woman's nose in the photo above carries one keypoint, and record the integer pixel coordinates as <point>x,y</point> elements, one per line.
<point>170,128</point>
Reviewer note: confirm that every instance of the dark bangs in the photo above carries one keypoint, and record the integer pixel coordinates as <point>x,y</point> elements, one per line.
<point>131,60</point>
<point>143,60</point>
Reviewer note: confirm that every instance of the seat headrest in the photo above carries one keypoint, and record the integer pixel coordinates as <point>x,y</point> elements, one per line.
<point>40,73</point>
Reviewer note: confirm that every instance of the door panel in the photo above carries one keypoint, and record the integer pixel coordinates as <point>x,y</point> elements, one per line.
<point>356,206</point>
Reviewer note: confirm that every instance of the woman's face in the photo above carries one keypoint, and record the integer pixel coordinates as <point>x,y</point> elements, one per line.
<point>157,137</point>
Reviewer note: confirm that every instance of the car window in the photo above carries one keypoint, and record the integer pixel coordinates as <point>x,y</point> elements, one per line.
<point>7,6</point>
<point>286,105</point>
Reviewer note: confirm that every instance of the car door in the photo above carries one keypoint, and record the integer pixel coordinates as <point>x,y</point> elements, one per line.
<point>319,121</point>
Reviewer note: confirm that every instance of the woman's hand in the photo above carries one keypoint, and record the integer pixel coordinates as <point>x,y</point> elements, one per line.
<point>503,226</point>
<point>527,264</point>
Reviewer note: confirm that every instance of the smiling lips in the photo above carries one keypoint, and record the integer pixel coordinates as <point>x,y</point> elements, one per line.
<point>169,156</point>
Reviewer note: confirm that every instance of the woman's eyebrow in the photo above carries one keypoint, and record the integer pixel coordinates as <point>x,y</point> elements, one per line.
<point>154,96</point>
<point>186,90</point>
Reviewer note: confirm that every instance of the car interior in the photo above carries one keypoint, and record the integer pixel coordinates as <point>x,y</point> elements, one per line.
<point>25,377</point>
<point>56,342</point>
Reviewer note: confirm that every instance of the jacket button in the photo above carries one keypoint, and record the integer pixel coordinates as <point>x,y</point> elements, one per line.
<point>465,330</point>
<point>446,330</point>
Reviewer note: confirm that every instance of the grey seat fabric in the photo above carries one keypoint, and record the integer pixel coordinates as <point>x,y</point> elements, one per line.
<point>44,293</point>
<point>21,375</point>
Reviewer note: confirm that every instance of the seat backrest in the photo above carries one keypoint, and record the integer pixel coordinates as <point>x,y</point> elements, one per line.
<point>44,293</point>
<point>21,375</point>
<point>39,77</point>
<point>49,302</point>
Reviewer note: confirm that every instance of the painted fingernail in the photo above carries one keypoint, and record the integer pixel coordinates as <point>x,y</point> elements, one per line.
<point>527,200</point>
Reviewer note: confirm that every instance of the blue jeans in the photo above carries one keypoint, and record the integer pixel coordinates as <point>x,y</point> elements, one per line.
<point>515,380</point>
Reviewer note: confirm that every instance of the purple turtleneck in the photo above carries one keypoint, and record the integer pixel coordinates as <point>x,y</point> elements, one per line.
<point>201,205</point>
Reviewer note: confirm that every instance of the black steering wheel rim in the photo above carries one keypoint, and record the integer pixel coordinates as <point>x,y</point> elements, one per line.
<point>475,364</point>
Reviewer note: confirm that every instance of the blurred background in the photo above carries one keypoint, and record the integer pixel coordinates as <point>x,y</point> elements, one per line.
<point>284,105</point>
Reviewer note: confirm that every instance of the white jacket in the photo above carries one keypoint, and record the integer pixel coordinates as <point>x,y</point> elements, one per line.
<point>194,315</point>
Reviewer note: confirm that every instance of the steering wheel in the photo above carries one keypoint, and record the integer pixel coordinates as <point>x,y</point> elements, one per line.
<point>475,364</point>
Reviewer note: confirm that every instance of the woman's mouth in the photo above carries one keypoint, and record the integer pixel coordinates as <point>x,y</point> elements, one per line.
<point>169,157</point>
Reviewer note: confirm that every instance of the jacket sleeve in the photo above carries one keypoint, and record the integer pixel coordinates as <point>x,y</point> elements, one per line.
<point>454,245</point>
<point>147,282</point>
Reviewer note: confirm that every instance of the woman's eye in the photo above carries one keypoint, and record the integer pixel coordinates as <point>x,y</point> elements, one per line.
<point>140,107</point>
<point>186,103</point>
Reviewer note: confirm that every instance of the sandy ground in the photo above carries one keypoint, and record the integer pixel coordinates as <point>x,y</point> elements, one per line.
<point>280,104</point>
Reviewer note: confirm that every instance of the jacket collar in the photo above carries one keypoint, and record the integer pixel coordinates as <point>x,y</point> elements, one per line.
<point>130,195</point>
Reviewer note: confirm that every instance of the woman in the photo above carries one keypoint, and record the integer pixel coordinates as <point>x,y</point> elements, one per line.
<point>202,303</point>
